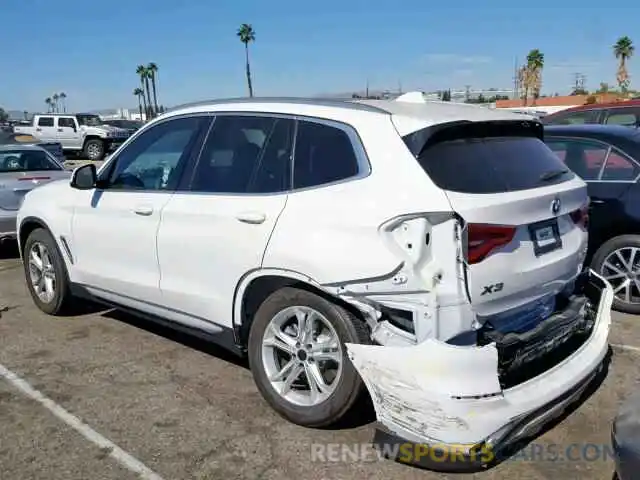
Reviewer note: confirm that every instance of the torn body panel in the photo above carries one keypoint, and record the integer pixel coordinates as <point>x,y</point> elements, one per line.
<point>429,292</point>
<point>438,393</point>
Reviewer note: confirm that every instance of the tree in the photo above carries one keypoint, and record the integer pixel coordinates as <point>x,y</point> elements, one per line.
<point>138,92</point>
<point>152,68</point>
<point>247,34</point>
<point>623,50</point>
<point>49,104</point>
<point>446,96</point>
<point>525,82</point>
<point>4,116</point>
<point>63,98</point>
<point>535,64</point>
<point>141,70</point>
<point>55,102</point>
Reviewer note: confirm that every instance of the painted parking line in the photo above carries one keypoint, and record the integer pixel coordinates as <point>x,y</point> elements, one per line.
<point>622,346</point>
<point>123,458</point>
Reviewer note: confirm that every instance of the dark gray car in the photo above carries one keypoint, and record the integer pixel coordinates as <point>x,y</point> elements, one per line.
<point>23,168</point>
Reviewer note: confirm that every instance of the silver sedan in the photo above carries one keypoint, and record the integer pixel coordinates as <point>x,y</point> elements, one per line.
<point>23,168</point>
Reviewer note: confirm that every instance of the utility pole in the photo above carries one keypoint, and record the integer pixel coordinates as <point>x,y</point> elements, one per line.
<point>516,79</point>
<point>366,94</point>
<point>579,81</point>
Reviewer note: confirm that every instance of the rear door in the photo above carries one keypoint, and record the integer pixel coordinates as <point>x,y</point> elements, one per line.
<point>46,129</point>
<point>609,173</point>
<point>520,208</point>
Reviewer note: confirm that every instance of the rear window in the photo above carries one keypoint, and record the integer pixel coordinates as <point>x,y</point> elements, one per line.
<point>492,164</point>
<point>26,161</point>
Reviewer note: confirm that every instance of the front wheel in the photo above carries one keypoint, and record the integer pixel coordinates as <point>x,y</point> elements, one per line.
<point>618,261</point>
<point>46,273</point>
<point>94,149</point>
<point>298,357</point>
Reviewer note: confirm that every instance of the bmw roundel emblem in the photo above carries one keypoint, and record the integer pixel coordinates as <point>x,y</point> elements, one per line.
<point>555,206</point>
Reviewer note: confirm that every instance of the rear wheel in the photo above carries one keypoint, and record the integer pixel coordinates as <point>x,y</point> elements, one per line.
<point>46,273</point>
<point>618,261</point>
<point>94,149</point>
<point>298,358</point>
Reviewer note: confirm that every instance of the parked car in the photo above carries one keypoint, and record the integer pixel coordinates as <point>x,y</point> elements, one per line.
<point>83,133</point>
<point>131,125</point>
<point>607,157</point>
<point>617,113</point>
<point>625,438</point>
<point>10,138</point>
<point>438,246</point>
<point>23,168</point>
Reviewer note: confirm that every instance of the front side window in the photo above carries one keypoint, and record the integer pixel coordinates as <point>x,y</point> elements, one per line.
<point>89,120</point>
<point>245,154</point>
<point>324,154</point>
<point>154,160</point>
<point>66,122</point>
<point>622,116</point>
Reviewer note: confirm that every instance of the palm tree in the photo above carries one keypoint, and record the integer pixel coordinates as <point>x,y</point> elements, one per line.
<point>49,104</point>
<point>535,64</point>
<point>247,34</point>
<point>152,68</point>
<point>138,92</point>
<point>63,98</point>
<point>524,82</point>
<point>141,70</point>
<point>55,102</point>
<point>623,50</point>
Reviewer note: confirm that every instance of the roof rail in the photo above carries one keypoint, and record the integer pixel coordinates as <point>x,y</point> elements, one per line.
<point>346,103</point>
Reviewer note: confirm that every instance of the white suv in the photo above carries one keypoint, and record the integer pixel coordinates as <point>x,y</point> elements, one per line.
<point>430,251</point>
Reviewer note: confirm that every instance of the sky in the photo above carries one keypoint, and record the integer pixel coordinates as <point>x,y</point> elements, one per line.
<point>90,50</point>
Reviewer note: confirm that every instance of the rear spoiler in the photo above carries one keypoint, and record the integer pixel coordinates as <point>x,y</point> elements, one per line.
<point>420,140</point>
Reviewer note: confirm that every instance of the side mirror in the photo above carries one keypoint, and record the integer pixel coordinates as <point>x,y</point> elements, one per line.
<point>84,177</point>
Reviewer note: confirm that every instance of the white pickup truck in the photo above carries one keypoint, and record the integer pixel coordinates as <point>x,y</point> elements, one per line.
<point>83,133</point>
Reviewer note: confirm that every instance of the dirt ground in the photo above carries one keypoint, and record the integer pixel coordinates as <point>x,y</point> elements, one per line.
<point>183,409</point>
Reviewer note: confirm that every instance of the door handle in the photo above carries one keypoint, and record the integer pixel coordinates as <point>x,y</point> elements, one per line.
<point>143,210</point>
<point>38,129</point>
<point>254,218</point>
<point>597,201</point>
<point>59,129</point>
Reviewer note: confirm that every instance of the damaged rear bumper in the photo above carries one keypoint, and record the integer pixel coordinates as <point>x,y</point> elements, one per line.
<point>447,407</point>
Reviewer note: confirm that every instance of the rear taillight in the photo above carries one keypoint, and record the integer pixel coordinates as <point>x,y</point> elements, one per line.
<point>482,239</point>
<point>581,217</point>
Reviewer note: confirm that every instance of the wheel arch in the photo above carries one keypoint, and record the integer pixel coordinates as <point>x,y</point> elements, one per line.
<point>28,225</point>
<point>257,285</point>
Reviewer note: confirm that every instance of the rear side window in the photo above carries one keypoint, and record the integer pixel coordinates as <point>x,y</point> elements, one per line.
<point>45,122</point>
<point>622,116</point>
<point>323,154</point>
<point>493,164</point>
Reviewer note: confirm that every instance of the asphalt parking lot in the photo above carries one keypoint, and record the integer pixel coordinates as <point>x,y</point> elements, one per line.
<point>124,396</point>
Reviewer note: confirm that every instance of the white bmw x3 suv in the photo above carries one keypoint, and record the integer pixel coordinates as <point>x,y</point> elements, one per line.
<point>430,252</point>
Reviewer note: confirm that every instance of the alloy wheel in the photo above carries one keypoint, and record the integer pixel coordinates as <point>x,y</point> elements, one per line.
<point>621,268</point>
<point>41,272</point>
<point>301,356</point>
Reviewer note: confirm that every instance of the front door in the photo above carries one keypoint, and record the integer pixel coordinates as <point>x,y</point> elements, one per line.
<point>114,227</point>
<point>216,230</point>
<point>68,133</point>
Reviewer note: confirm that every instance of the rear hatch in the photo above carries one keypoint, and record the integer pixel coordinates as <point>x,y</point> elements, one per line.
<point>22,170</point>
<point>523,213</point>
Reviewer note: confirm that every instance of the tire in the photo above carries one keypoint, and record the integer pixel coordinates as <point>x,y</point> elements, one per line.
<point>348,329</point>
<point>602,254</point>
<point>94,149</point>
<point>61,297</point>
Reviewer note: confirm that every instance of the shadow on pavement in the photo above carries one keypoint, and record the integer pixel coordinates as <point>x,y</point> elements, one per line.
<point>9,250</point>
<point>361,414</point>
